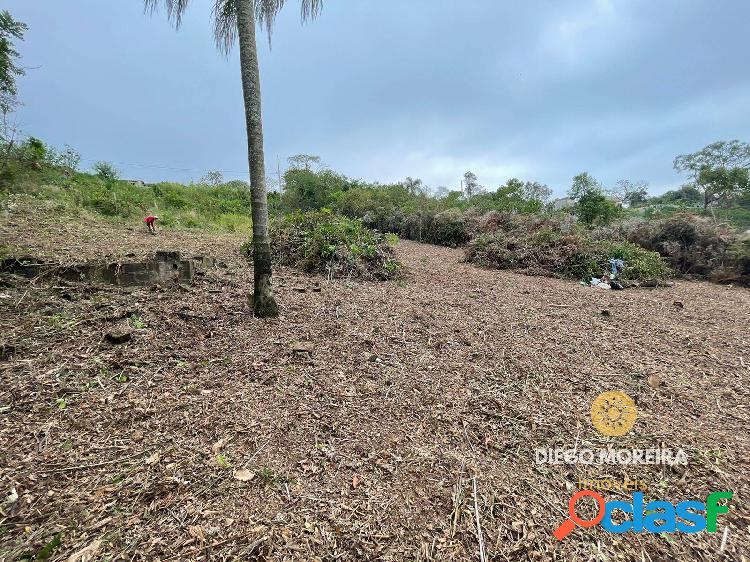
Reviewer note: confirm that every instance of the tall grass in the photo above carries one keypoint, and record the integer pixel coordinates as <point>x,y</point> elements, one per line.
<point>225,207</point>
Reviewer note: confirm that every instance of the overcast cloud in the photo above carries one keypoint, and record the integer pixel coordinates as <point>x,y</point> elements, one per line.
<point>384,89</point>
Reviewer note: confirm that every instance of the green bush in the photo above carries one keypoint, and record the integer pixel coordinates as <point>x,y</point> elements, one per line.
<point>106,171</point>
<point>449,228</point>
<point>593,208</point>
<point>337,246</point>
<point>540,247</point>
<point>640,264</point>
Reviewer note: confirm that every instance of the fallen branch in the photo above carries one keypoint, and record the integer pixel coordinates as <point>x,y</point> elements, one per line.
<point>85,466</point>
<point>482,557</point>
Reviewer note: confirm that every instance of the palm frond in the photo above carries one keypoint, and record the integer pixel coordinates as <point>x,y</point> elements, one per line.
<point>310,9</point>
<point>224,13</point>
<point>225,24</point>
<point>267,10</point>
<point>175,9</point>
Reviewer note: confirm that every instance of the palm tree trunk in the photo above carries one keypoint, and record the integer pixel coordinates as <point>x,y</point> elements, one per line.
<point>263,302</point>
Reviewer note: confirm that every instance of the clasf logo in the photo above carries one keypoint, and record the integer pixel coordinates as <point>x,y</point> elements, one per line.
<point>654,517</point>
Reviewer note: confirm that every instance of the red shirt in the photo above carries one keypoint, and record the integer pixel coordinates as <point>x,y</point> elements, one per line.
<point>149,220</point>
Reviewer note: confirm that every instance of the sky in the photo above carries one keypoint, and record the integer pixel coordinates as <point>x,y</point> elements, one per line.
<point>384,89</point>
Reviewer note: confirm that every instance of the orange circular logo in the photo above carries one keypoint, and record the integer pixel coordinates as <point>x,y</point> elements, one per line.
<point>613,413</point>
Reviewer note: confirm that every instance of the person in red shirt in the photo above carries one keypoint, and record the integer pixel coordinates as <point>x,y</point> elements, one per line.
<point>150,220</point>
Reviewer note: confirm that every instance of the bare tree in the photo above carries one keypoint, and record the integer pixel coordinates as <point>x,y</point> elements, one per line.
<point>471,184</point>
<point>233,20</point>
<point>413,186</point>
<point>537,191</point>
<point>304,162</point>
<point>631,192</point>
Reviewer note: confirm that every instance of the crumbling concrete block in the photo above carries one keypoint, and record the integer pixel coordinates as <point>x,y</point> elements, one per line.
<point>166,268</point>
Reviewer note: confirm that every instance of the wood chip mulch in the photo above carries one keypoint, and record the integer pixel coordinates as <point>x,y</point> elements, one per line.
<point>355,426</point>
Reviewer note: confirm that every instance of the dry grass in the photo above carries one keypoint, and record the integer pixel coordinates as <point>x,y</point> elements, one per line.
<point>368,447</point>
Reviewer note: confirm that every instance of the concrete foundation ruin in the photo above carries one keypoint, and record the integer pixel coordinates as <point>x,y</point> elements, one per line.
<point>166,267</point>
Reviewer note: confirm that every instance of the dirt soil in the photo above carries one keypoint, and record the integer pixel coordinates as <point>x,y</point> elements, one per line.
<point>356,425</point>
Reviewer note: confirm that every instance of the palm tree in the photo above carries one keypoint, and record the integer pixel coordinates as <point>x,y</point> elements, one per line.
<point>233,20</point>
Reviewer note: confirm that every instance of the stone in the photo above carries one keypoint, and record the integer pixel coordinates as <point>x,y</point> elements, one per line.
<point>117,337</point>
<point>303,347</point>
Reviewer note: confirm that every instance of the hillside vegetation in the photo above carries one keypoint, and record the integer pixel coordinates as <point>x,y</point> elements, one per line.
<point>513,227</point>
<point>221,206</point>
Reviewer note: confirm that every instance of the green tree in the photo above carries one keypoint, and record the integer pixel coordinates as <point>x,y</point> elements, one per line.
<point>234,21</point>
<point>592,206</point>
<point>511,195</point>
<point>583,184</point>
<point>719,184</point>
<point>719,170</point>
<point>305,190</point>
<point>10,29</point>
<point>106,171</point>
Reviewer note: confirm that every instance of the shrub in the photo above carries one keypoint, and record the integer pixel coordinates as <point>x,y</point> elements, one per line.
<point>33,151</point>
<point>691,244</point>
<point>593,208</point>
<point>324,242</point>
<point>542,246</point>
<point>640,264</point>
<point>449,228</point>
<point>106,171</point>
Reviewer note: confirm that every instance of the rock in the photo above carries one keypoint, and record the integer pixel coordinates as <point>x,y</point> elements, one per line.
<point>117,337</point>
<point>654,381</point>
<point>678,304</point>
<point>244,475</point>
<point>137,436</point>
<point>303,347</point>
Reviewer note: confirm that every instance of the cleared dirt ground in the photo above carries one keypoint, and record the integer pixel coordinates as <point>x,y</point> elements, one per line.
<point>366,448</point>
